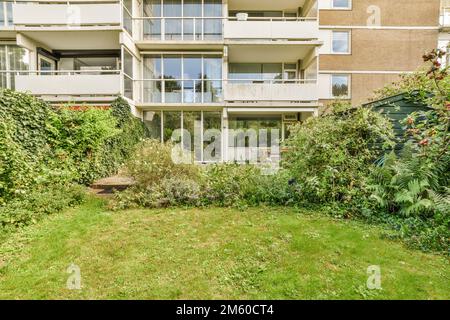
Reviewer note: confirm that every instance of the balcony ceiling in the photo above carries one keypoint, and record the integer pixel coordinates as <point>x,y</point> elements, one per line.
<point>264,4</point>
<point>76,40</point>
<point>264,53</point>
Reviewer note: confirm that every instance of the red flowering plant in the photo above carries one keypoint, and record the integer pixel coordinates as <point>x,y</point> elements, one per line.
<point>416,182</point>
<point>430,130</point>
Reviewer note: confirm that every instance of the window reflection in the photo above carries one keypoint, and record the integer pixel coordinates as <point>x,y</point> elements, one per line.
<point>187,20</point>
<point>182,79</point>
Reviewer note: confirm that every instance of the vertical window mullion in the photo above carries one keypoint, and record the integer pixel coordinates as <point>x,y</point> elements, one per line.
<point>162,126</point>
<point>182,131</point>
<point>8,67</point>
<point>202,36</point>
<point>182,19</point>
<point>202,85</point>
<point>202,137</point>
<point>163,81</point>
<point>182,78</point>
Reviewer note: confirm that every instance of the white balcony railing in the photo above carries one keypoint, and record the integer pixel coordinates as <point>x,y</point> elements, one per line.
<point>271,90</point>
<point>181,28</point>
<point>445,17</point>
<point>216,29</point>
<point>66,82</point>
<point>67,13</point>
<point>179,91</point>
<point>271,28</point>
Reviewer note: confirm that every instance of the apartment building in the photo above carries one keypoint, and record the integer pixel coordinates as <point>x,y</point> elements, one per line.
<point>214,65</point>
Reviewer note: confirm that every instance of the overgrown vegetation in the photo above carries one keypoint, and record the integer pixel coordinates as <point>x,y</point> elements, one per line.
<point>45,152</point>
<point>330,157</point>
<point>342,162</point>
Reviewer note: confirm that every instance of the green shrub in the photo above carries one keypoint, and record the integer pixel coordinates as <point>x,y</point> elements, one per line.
<point>16,169</point>
<point>331,156</point>
<point>411,191</point>
<point>25,210</point>
<point>152,163</point>
<point>42,147</point>
<point>119,148</point>
<point>160,182</point>
<point>30,120</point>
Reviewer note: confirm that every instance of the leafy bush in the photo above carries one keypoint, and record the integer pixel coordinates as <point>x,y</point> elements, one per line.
<point>411,191</point>
<point>42,147</point>
<point>331,156</point>
<point>160,182</point>
<point>38,203</point>
<point>30,120</point>
<point>16,171</point>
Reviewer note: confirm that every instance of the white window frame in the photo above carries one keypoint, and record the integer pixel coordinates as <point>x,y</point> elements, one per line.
<point>5,15</point>
<point>349,85</point>
<point>349,37</point>
<point>349,7</point>
<point>182,55</point>
<point>182,111</point>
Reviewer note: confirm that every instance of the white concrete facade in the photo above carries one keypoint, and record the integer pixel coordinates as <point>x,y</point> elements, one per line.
<point>251,61</point>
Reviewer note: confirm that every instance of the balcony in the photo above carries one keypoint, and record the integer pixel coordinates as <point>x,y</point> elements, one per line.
<point>271,90</point>
<point>173,91</point>
<point>271,29</point>
<point>72,15</point>
<point>166,32</point>
<point>64,85</point>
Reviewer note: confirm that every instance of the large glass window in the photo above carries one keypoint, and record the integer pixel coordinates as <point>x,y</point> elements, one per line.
<point>182,79</point>
<point>192,75</point>
<point>172,73</point>
<point>212,75</point>
<point>128,74</point>
<point>3,67</point>
<point>342,4</point>
<point>341,42</point>
<point>192,138</point>
<point>171,122</point>
<point>260,130</point>
<point>127,16</point>
<point>202,131</point>
<point>255,72</point>
<point>152,89</point>
<point>5,14</point>
<point>152,120</point>
<point>340,85</point>
<point>212,124</point>
<point>182,20</point>
<point>12,58</point>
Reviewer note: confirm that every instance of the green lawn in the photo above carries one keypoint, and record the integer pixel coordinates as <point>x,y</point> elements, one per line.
<point>260,253</point>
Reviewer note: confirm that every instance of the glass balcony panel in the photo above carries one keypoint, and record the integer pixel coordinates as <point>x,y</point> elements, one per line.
<point>152,29</point>
<point>128,87</point>
<point>152,92</point>
<point>173,29</point>
<point>213,29</point>
<point>192,91</point>
<point>173,91</point>
<point>213,91</point>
